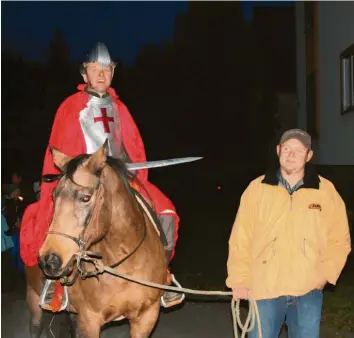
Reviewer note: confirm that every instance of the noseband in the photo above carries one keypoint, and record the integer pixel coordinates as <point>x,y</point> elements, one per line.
<point>78,241</point>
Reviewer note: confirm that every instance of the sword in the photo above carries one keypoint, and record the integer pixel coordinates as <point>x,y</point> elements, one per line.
<point>161,163</point>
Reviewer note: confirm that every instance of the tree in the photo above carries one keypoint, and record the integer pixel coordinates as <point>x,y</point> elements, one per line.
<point>208,82</point>
<point>58,51</point>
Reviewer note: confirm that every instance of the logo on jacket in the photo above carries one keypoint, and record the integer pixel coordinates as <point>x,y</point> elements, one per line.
<point>315,206</point>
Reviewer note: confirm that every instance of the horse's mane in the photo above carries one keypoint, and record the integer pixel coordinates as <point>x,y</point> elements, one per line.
<point>126,176</point>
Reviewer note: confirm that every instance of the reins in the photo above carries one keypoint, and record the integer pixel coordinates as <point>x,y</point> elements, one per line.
<point>252,319</point>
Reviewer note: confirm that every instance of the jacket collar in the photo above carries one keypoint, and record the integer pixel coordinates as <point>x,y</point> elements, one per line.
<point>311,178</point>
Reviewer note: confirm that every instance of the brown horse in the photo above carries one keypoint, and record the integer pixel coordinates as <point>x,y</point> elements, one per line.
<point>95,209</point>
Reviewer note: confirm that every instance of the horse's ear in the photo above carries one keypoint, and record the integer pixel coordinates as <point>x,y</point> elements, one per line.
<point>98,159</point>
<point>60,159</point>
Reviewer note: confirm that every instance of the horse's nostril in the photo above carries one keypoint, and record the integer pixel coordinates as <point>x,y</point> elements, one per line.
<point>53,261</point>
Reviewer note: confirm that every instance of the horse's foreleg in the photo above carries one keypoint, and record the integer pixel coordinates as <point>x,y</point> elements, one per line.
<point>144,323</point>
<point>74,330</point>
<point>36,313</point>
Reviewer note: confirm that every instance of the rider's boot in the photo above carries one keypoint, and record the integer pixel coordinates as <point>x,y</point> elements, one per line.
<point>171,298</point>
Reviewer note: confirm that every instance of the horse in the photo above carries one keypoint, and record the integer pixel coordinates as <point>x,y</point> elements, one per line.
<point>95,209</point>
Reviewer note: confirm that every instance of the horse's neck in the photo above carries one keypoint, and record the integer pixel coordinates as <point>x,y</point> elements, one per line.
<point>126,228</point>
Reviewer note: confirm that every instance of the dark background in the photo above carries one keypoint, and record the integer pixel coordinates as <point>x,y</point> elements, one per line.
<point>200,79</point>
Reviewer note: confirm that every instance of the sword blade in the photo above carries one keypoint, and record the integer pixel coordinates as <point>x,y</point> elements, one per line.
<point>161,163</point>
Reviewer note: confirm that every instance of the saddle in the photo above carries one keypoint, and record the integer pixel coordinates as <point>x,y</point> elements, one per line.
<point>150,212</point>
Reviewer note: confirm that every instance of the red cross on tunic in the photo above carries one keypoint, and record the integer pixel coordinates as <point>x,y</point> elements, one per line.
<point>105,120</point>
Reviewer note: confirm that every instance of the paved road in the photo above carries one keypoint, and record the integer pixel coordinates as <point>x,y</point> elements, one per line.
<point>193,319</point>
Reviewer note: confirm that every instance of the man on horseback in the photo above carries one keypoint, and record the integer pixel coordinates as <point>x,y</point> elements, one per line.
<point>82,123</point>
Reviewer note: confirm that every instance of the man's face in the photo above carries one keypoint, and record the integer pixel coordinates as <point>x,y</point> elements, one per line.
<point>293,156</point>
<point>98,78</point>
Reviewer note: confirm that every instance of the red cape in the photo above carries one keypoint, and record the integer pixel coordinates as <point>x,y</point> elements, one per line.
<point>67,137</point>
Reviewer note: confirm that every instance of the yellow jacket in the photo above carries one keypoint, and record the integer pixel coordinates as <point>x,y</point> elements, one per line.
<point>284,244</point>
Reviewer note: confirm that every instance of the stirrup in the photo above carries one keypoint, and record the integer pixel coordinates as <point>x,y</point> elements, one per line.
<point>175,297</point>
<point>47,302</point>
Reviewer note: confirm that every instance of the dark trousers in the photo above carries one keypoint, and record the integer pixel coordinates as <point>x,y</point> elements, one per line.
<point>7,272</point>
<point>16,261</point>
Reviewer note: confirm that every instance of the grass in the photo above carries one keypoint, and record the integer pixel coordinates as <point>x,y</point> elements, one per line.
<point>338,303</point>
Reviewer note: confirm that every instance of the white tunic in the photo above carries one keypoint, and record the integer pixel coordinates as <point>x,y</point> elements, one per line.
<point>100,121</point>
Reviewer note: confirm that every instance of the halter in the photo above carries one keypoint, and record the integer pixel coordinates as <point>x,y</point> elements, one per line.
<point>78,241</point>
<point>81,242</point>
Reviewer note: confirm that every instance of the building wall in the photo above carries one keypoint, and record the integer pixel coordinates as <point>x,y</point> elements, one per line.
<point>335,140</point>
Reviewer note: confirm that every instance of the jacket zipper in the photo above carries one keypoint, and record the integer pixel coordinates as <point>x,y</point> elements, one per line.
<point>291,202</point>
<point>304,245</point>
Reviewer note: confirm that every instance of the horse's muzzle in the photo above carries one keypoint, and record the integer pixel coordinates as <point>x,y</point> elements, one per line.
<point>51,264</point>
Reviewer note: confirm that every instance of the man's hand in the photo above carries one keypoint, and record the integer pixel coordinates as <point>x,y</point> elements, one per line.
<point>240,293</point>
<point>321,286</point>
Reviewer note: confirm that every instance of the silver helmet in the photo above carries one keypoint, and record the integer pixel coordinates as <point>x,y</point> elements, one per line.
<point>99,53</point>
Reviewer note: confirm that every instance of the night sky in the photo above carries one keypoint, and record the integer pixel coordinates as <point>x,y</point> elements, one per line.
<point>28,26</point>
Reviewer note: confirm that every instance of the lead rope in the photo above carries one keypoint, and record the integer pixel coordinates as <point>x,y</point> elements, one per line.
<point>252,317</point>
<point>253,313</point>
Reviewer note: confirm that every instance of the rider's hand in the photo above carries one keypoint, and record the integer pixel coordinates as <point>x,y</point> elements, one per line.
<point>240,293</point>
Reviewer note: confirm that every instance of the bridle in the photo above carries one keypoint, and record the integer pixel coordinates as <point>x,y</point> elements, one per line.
<point>78,241</point>
<point>81,242</point>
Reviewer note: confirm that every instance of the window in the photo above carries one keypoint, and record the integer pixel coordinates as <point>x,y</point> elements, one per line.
<point>347,80</point>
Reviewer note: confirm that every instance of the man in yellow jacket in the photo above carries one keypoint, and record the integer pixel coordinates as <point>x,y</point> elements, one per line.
<point>290,237</point>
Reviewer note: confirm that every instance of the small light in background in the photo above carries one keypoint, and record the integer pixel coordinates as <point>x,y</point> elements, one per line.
<point>218,187</point>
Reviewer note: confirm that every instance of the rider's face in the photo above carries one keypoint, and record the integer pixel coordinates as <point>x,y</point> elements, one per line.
<point>98,78</point>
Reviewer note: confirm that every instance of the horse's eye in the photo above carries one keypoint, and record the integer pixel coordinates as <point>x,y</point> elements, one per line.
<point>85,198</point>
